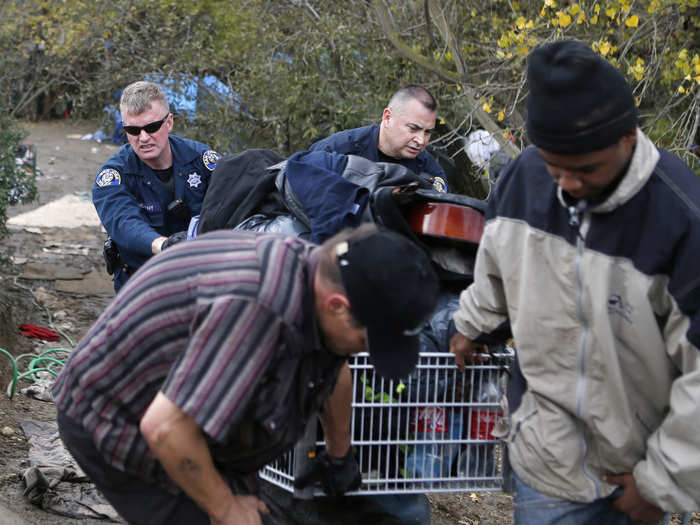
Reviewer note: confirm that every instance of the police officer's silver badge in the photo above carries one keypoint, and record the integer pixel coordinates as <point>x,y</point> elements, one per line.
<point>108,177</point>
<point>209,159</point>
<point>439,184</point>
<point>194,179</point>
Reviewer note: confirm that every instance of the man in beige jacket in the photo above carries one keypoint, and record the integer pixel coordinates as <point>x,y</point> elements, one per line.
<point>590,258</point>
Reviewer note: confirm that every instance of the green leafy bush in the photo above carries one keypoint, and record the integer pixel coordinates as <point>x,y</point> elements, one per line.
<point>16,183</point>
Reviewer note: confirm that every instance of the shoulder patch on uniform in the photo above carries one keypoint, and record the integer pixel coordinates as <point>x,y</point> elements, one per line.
<point>108,177</point>
<point>209,158</point>
<point>439,184</point>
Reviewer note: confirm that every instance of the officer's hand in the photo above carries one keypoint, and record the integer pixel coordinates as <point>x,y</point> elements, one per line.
<point>632,502</point>
<point>173,239</point>
<point>337,475</point>
<point>466,350</point>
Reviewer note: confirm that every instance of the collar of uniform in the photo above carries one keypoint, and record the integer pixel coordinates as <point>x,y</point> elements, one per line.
<point>373,143</point>
<point>183,150</point>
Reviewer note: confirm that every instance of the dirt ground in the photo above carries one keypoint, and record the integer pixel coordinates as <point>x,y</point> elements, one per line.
<point>53,275</point>
<point>54,278</point>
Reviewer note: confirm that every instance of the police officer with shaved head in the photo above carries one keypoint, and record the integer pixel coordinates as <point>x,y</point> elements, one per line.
<point>400,138</point>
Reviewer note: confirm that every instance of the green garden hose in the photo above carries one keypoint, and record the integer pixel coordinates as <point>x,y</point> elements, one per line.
<point>48,364</point>
<point>15,373</point>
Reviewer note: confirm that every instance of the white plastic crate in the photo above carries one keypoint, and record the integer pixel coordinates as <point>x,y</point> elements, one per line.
<point>429,434</point>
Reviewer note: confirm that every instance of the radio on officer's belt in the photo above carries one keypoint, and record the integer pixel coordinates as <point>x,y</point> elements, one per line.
<point>177,209</point>
<point>110,252</point>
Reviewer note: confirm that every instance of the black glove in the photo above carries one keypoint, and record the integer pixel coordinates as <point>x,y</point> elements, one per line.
<point>337,475</point>
<point>173,239</point>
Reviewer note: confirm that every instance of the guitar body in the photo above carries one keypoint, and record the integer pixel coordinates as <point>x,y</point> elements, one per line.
<point>448,226</point>
<point>446,221</point>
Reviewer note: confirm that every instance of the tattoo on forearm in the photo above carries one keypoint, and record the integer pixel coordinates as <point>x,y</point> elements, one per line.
<point>189,466</point>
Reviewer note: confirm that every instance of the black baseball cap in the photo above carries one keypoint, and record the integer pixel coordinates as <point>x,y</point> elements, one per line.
<point>392,288</point>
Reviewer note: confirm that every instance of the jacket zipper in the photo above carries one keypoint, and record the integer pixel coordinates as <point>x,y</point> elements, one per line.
<point>582,225</point>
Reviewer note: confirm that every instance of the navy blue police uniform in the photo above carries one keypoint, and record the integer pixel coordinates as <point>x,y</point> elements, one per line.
<point>133,203</point>
<point>364,142</point>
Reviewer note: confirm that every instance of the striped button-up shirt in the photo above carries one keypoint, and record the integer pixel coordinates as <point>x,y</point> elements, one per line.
<point>210,323</point>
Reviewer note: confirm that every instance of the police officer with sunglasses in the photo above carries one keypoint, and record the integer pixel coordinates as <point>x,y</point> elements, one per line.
<point>149,190</point>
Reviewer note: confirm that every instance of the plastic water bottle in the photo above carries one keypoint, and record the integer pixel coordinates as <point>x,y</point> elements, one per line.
<point>432,457</point>
<point>425,460</point>
<point>477,460</point>
<point>450,451</point>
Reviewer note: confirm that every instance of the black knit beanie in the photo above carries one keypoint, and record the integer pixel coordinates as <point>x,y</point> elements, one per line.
<point>578,101</point>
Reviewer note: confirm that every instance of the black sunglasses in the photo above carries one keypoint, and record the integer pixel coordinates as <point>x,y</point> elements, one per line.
<point>149,128</point>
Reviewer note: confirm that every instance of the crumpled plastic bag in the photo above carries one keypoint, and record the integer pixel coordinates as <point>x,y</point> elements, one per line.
<point>40,391</point>
<point>54,482</point>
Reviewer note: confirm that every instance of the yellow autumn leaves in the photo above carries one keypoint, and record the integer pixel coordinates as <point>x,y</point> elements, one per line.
<point>605,24</point>
<point>689,69</point>
<point>487,106</point>
<point>637,69</point>
<point>616,14</point>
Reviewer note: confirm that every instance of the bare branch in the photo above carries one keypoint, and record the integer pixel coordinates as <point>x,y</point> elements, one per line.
<point>313,11</point>
<point>428,24</point>
<point>425,62</point>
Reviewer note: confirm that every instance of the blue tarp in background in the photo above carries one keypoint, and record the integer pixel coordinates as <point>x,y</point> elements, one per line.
<point>187,97</point>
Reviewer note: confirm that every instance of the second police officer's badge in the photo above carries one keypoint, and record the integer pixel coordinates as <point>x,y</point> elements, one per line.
<point>439,184</point>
